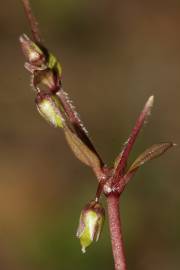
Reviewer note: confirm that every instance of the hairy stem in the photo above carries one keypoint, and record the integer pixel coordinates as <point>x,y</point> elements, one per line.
<point>77,124</point>
<point>116,232</point>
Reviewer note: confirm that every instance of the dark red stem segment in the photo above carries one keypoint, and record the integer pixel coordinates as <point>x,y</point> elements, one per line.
<point>132,138</point>
<point>116,232</point>
<point>32,21</point>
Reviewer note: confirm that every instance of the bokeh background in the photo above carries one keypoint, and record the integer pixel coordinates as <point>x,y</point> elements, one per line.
<point>114,54</point>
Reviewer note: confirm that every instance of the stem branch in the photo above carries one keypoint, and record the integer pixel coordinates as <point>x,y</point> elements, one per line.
<point>116,232</point>
<point>132,138</point>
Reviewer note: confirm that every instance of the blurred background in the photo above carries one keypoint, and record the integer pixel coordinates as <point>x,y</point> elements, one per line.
<point>114,54</point>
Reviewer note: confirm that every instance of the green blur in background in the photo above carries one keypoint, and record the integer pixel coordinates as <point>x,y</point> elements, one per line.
<point>114,55</point>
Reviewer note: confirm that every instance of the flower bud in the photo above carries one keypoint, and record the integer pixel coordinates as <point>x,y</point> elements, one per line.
<point>49,107</point>
<point>33,53</point>
<point>46,79</point>
<point>90,224</point>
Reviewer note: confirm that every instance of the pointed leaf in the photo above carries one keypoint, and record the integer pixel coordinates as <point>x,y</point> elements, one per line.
<point>153,152</point>
<point>81,151</point>
<point>121,160</point>
<point>73,120</point>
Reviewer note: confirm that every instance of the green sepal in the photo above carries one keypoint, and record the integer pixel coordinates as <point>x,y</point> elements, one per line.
<point>50,108</point>
<point>90,224</point>
<point>54,64</point>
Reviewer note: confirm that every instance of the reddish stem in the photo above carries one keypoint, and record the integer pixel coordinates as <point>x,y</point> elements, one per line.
<point>132,138</point>
<point>77,124</point>
<point>116,232</point>
<point>68,107</point>
<point>32,21</point>
<point>103,174</point>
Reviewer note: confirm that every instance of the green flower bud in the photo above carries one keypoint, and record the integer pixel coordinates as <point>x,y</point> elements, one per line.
<point>33,53</point>
<point>90,224</point>
<point>50,109</point>
<point>39,58</point>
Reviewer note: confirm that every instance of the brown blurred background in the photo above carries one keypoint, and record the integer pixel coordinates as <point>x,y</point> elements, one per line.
<point>114,54</point>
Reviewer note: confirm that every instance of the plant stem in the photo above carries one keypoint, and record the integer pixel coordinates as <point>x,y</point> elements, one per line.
<point>76,122</point>
<point>116,232</point>
<point>66,102</point>
<point>32,21</point>
<point>132,138</point>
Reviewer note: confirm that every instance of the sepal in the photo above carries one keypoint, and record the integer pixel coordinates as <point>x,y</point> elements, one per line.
<point>90,224</point>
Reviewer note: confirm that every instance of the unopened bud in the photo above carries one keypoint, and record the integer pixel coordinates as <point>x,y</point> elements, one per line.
<point>32,51</point>
<point>50,109</point>
<point>90,224</point>
<point>46,78</point>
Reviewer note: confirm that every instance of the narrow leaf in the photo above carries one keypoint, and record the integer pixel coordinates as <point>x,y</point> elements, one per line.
<point>81,151</point>
<point>73,119</point>
<point>122,159</point>
<point>153,152</point>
